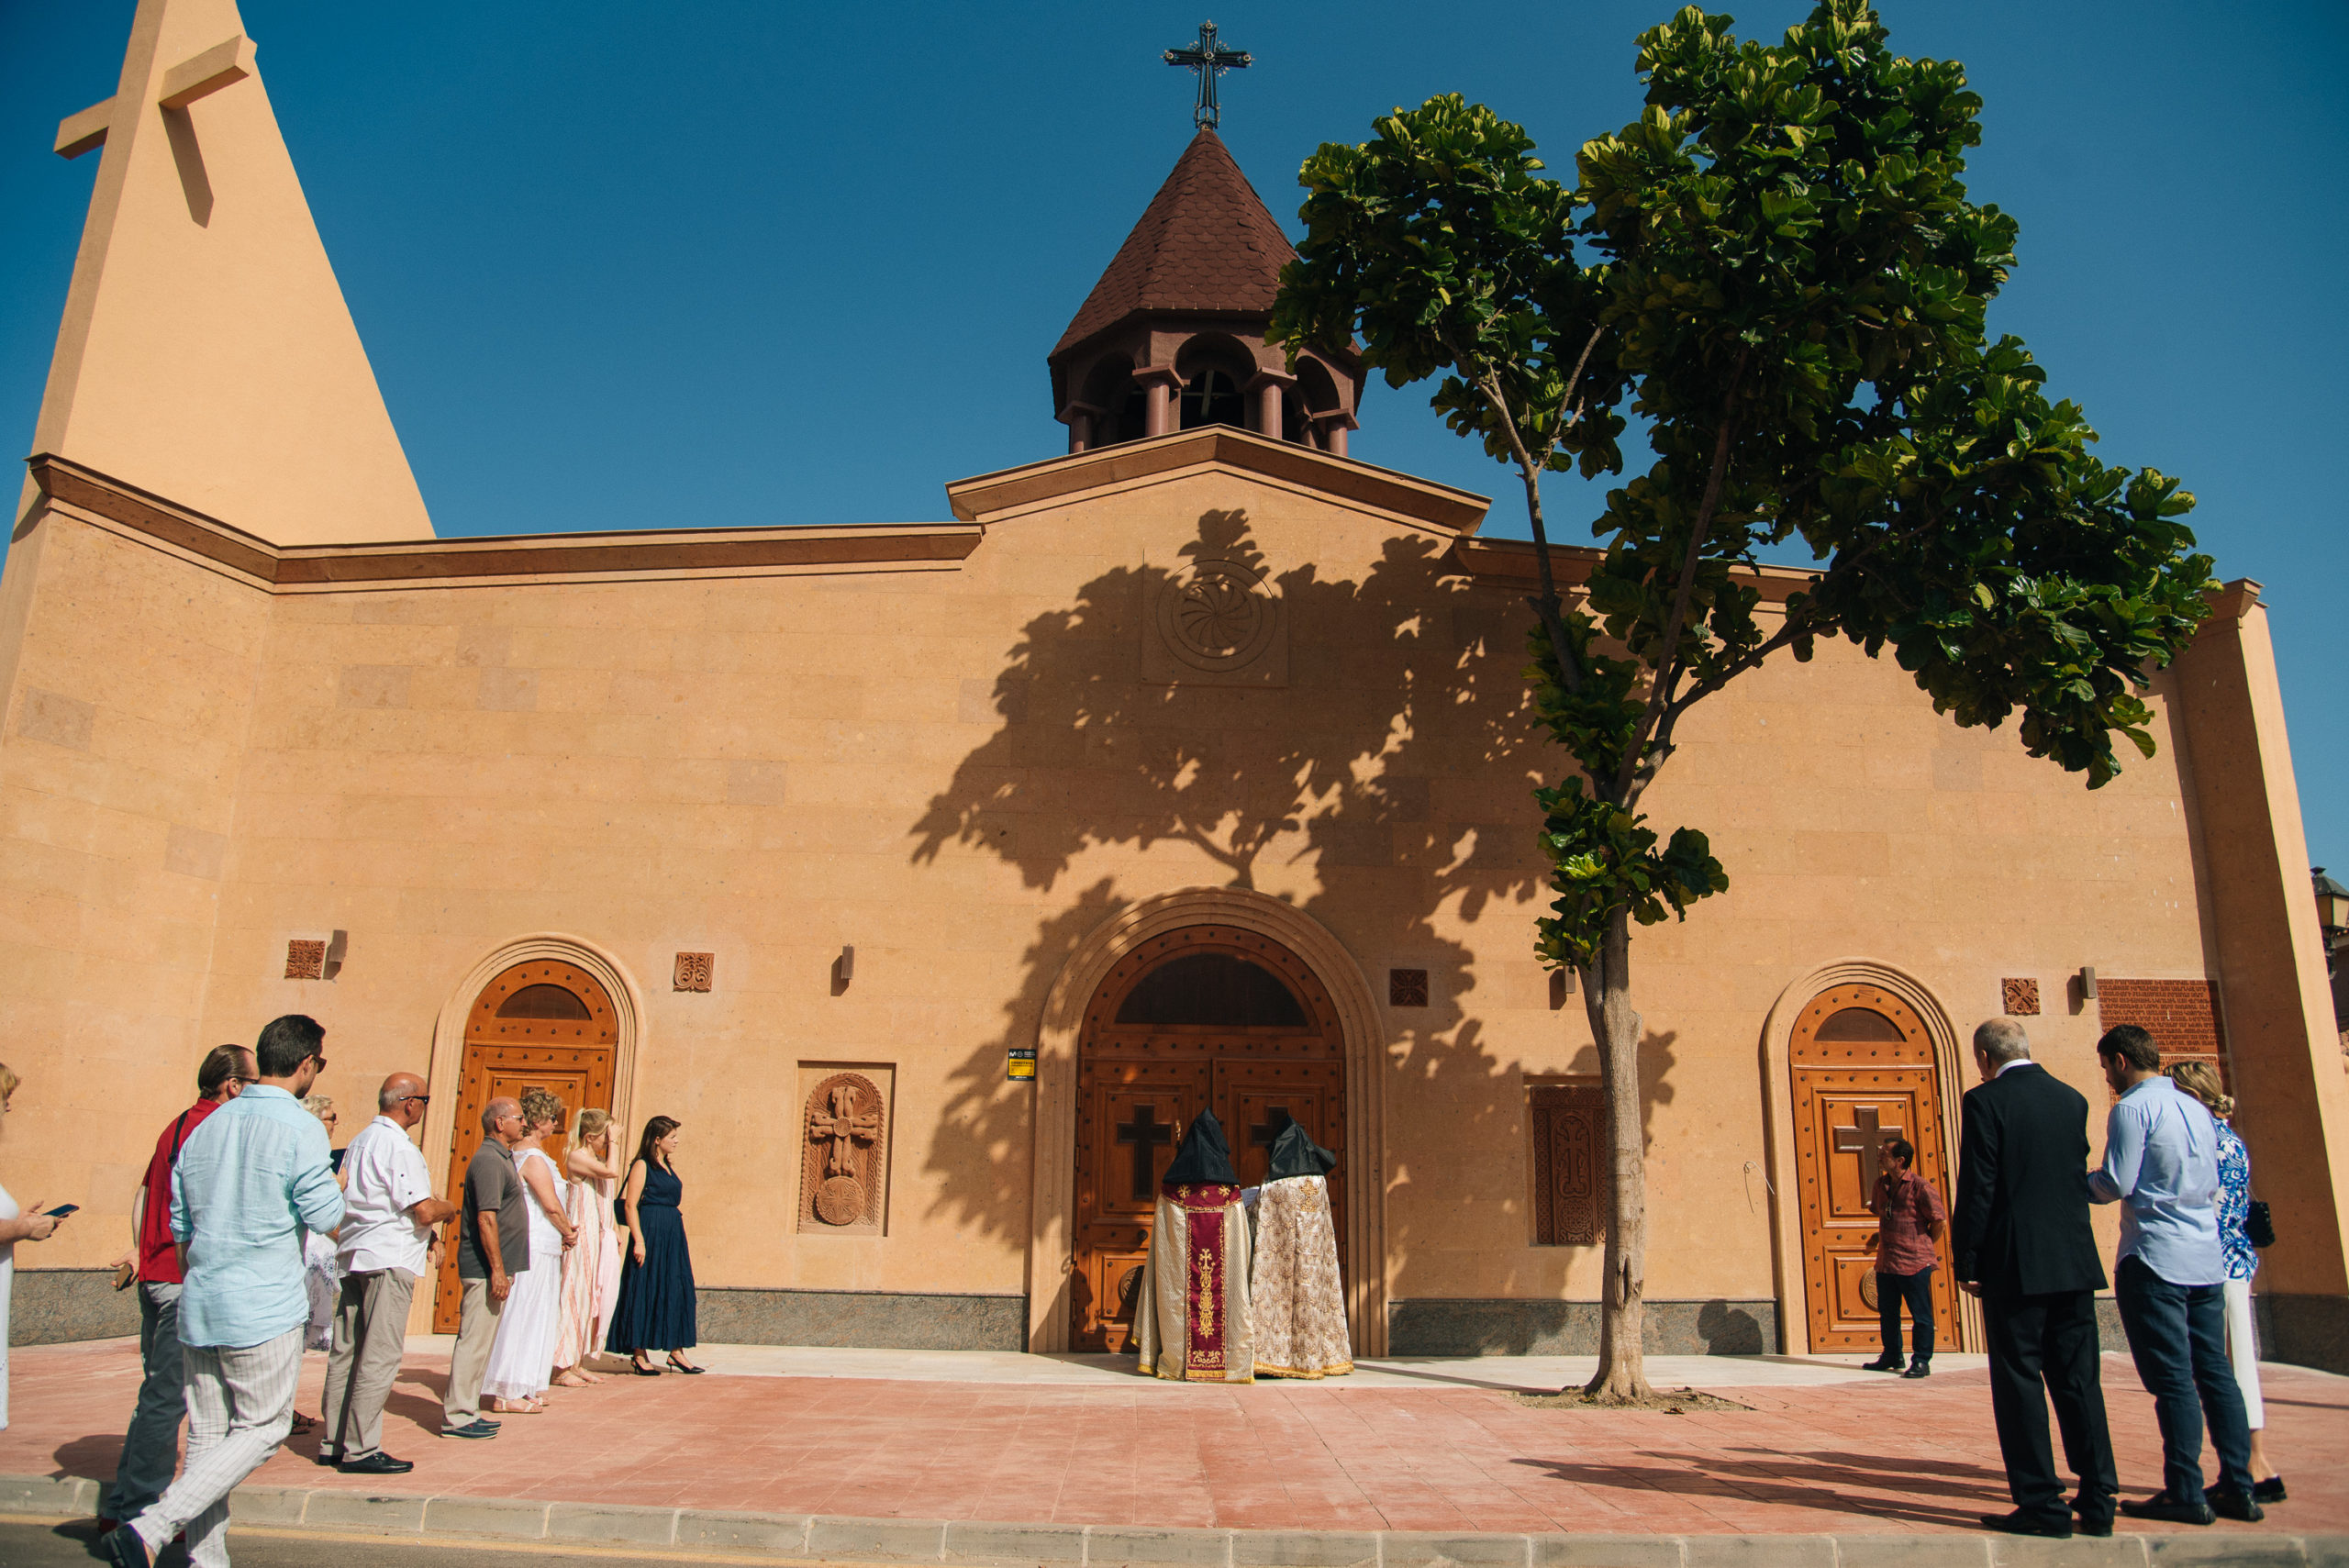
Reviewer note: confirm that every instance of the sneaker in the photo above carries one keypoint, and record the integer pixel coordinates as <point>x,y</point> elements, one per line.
<point>2230,1504</point>
<point>2268,1491</point>
<point>2162,1506</point>
<point>122,1546</point>
<point>1922,1368</point>
<point>1883,1364</point>
<point>471,1429</point>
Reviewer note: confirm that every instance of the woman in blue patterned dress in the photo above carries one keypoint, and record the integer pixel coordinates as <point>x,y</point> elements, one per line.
<point>2200,1080</point>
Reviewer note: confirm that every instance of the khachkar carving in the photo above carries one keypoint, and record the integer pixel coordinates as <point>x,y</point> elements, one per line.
<point>841,1184</point>
<point>1217,617</point>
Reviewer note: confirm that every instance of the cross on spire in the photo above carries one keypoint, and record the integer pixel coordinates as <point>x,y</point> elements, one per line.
<point>1209,59</point>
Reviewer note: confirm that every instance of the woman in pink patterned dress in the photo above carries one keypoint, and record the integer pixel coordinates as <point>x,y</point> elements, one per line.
<point>591,1270</point>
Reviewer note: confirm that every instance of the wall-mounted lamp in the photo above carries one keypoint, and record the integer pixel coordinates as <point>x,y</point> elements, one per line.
<point>2331,907</point>
<point>2087,985</point>
<point>843,969</point>
<point>337,946</point>
<point>1561,985</point>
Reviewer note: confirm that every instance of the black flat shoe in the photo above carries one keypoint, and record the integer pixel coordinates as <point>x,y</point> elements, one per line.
<point>327,1457</point>
<point>689,1371</point>
<point>1883,1364</point>
<point>1918,1369</point>
<point>2021,1523</point>
<point>2268,1491</point>
<point>377,1463</point>
<point>2161,1506</point>
<point>121,1547</point>
<point>2230,1504</point>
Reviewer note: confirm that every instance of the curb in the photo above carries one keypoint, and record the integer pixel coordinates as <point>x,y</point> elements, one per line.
<point>832,1538</point>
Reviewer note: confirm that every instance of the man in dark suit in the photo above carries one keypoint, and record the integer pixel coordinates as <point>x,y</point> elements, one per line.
<point>2021,1241</point>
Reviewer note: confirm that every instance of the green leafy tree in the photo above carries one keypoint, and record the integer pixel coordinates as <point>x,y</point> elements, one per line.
<point>1778,270</point>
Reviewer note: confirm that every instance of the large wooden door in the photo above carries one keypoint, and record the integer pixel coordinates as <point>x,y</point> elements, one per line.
<point>1864,1071</point>
<point>541,1025</point>
<point>1207,1016</point>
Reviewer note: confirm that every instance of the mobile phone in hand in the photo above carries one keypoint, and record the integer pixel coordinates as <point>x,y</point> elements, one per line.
<point>61,1210</point>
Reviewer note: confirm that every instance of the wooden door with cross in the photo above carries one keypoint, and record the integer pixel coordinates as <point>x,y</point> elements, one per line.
<point>1864,1072</point>
<point>1207,1016</point>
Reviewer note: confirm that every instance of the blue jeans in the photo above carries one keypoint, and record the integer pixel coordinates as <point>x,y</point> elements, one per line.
<point>2178,1335</point>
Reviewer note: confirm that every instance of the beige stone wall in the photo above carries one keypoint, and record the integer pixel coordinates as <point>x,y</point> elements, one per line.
<point>961,774</point>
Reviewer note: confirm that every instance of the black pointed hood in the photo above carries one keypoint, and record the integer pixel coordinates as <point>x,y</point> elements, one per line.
<point>1204,1158</point>
<point>1295,1154</point>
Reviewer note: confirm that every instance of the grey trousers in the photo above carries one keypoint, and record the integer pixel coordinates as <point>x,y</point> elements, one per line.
<point>239,1407</point>
<point>469,1363</point>
<point>370,1331</point>
<point>151,1449</point>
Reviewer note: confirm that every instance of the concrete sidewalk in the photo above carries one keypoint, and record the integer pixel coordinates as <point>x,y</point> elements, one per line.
<point>1089,1455</point>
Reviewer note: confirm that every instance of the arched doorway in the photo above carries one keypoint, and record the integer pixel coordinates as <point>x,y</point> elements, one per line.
<point>1202,1015</point>
<point>543,1024</point>
<point>1863,1067</point>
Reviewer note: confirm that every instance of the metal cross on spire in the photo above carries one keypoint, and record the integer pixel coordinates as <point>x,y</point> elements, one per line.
<point>1209,60</point>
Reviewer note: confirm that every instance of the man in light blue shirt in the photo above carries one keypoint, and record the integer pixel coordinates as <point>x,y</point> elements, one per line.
<point>249,1183</point>
<point>2161,1165</point>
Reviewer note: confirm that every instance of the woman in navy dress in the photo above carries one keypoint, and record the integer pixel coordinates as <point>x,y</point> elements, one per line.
<point>655,1309</point>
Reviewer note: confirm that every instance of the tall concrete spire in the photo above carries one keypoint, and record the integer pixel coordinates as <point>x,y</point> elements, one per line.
<point>205,353</point>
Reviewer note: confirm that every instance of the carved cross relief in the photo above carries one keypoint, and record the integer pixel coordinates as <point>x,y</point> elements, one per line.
<point>846,1134</point>
<point>838,1124</point>
<point>1866,1138</point>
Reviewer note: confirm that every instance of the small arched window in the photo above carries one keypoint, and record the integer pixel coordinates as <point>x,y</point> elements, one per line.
<point>1849,1024</point>
<point>543,1002</point>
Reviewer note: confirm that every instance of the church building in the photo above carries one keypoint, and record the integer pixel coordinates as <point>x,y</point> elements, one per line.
<point>935,874</point>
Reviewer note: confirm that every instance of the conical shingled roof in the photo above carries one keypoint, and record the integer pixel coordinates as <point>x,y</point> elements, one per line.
<point>1205,243</point>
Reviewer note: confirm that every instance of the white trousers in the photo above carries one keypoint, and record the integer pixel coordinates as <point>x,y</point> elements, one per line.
<point>2243,1349</point>
<point>239,1407</point>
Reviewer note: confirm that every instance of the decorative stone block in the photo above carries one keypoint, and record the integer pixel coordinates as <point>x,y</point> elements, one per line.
<point>844,1170</point>
<point>305,960</point>
<point>1407,987</point>
<point>2022,997</point>
<point>694,971</point>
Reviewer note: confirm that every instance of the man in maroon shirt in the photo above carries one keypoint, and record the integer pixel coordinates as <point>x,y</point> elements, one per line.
<point>1909,1222</point>
<point>151,1449</point>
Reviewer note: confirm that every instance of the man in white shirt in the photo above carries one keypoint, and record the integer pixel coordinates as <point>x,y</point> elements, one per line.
<point>388,1241</point>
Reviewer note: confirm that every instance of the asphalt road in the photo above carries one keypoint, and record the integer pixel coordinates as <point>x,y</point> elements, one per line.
<point>67,1546</point>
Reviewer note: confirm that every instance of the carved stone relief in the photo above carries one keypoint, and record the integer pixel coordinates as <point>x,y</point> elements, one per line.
<point>1215,623</point>
<point>844,1169</point>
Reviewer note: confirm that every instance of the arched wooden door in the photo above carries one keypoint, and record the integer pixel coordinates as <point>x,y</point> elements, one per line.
<point>541,1024</point>
<point>1864,1071</point>
<point>1205,1016</point>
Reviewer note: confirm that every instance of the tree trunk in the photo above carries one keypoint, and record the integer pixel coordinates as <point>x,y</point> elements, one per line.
<point>1607,998</point>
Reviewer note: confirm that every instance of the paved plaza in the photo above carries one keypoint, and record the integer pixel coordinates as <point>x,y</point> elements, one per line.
<point>1404,1445</point>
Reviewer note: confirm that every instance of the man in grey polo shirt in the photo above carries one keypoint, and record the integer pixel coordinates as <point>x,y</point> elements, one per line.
<point>493,1245</point>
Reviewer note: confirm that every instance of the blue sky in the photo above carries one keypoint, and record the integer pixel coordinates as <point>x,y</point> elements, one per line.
<point>625,266</point>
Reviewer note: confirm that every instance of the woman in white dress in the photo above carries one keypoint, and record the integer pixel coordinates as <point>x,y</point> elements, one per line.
<point>13,1227</point>
<point>522,1354</point>
<point>591,1270</point>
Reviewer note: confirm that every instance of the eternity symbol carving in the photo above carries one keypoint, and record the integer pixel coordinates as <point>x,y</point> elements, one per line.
<point>2022,997</point>
<point>844,1148</point>
<point>1216,616</point>
<point>694,971</point>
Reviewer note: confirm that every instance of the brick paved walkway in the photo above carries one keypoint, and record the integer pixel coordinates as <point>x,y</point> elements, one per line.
<point>1880,1455</point>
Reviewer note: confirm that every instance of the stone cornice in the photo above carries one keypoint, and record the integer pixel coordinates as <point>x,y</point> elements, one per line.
<point>647,554</point>
<point>993,497</point>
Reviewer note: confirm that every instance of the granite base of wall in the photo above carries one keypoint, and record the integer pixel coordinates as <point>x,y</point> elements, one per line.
<point>2307,1331</point>
<point>1438,1326</point>
<point>49,1306</point>
<point>862,1319</point>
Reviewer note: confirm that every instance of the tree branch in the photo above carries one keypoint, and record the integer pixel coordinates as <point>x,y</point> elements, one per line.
<point>1668,668</point>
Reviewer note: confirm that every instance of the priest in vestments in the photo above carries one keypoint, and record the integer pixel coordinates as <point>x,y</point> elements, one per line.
<point>1300,1307</point>
<point>1191,1322</point>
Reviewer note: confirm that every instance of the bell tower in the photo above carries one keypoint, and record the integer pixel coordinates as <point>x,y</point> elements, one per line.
<point>1173,336</point>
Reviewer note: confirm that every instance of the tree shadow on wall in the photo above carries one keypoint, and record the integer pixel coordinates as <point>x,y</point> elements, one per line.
<point>1385,790</point>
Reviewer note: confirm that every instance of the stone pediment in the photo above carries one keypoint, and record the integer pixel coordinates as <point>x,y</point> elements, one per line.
<point>1010,493</point>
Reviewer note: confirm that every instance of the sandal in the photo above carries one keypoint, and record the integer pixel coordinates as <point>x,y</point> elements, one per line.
<point>638,1365</point>
<point>686,1367</point>
<point>305,1423</point>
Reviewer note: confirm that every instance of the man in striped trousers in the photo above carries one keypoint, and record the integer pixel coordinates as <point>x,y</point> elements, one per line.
<point>250,1180</point>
